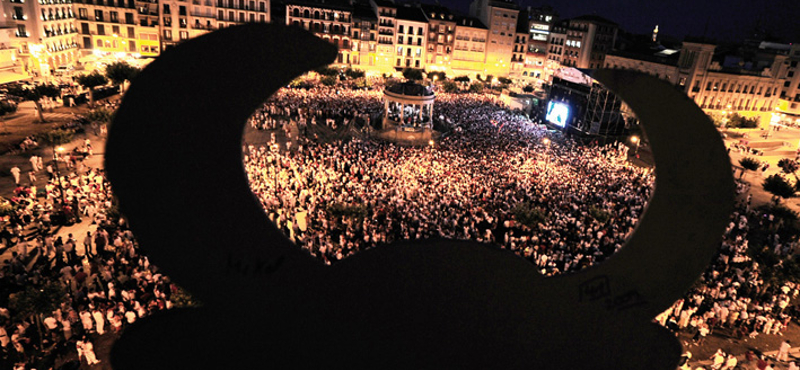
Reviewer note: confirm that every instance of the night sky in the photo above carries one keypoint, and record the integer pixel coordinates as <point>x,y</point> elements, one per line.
<point>727,20</point>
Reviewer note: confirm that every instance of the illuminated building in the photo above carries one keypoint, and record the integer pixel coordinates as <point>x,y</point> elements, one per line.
<point>789,97</point>
<point>501,18</point>
<point>469,51</point>
<point>540,23</point>
<point>387,21</point>
<point>721,83</point>
<point>411,35</point>
<point>330,20</point>
<point>44,33</point>
<point>110,26</point>
<point>520,46</point>
<point>441,37</point>
<point>583,42</point>
<point>365,37</point>
<point>11,65</point>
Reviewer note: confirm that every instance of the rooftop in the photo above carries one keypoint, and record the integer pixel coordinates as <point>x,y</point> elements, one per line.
<point>596,19</point>
<point>411,14</point>
<point>467,21</point>
<point>410,89</point>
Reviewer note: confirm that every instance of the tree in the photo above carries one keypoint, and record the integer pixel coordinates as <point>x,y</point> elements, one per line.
<point>476,87</point>
<point>354,73</point>
<point>328,80</point>
<point>528,89</point>
<point>6,107</point>
<point>449,87</point>
<point>119,72</point>
<point>327,71</point>
<point>91,81</point>
<point>37,302</point>
<point>528,215</point>
<point>462,79</point>
<point>504,80</point>
<point>35,94</point>
<point>100,115</point>
<point>788,166</point>
<point>412,74</point>
<point>750,164</point>
<point>778,187</point>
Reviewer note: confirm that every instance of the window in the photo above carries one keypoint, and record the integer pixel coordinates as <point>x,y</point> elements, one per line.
<point>115,30</point>
<point>131,33</point>
<point>128,18</point>
<point>410,30</point>
<point>168,34</point>
<point>82,14</point>
<point>113,17</point>
<point>166,9</point>
<point>400,29</point>
<point>101,29</point>
<point>99,43</point>
<point>98,15</point>
<point>132,46</point>
<point>85,30</point>
<point>184,35</point>
<point>87,42</point>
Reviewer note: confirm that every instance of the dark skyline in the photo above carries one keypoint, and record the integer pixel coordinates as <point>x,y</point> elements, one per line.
<point>721,20</point>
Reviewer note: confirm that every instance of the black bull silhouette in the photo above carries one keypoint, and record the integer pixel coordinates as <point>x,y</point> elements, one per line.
<point>174,158</point>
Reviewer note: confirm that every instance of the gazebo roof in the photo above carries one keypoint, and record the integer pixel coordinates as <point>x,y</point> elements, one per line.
<point>410,89</point>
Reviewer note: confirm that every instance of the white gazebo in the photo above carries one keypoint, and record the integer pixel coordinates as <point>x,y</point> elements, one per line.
<point>408,106</point>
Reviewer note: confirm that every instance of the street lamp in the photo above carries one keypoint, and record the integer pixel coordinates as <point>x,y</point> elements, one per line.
<point>430,144</point>
<point>635,140</point>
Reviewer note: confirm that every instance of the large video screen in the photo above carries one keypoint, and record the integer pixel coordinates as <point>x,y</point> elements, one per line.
<point>557,113</point>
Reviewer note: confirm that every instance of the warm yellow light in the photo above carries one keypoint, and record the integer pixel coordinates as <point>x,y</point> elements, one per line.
<point>430,142</point>
<point>546,141</point>
<point>60,149</point>
<point>634,139</point>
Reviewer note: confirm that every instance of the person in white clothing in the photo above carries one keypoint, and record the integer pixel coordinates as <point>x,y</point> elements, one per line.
<point>88,352</point>
<point>99,321</point>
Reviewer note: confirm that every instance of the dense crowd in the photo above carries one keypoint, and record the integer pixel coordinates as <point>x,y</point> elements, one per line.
<point>497,176</point>
<point>101,280</point>
<point>468,186</point>
<point>331,106</point>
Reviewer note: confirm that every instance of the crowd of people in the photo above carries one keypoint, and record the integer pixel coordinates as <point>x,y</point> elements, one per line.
<point>497,176</point>
<point>468,186</point>
<point>99,281</point>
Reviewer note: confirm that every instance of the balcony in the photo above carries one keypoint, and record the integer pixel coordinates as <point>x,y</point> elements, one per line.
<point>201,15</point>
<point>203,27</point>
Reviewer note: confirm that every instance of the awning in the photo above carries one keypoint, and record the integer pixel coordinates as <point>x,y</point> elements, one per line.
<point>7,76</point>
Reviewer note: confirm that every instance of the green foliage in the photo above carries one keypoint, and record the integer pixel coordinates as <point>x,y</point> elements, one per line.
<point>450,86</point>
<point>6,107</point>
<point>788,165</point>
<point>101,115</point>
<point>347,210</point>
<point>440,76</point>
<point>528,215</point>
<point>35,93</point>
<point>91,80</point>
<point>354,73</point>
<point>528,89</point>
<point>781,212</point>
<point>327,71</point>
<point>504,81</point>
<point>328,80</point>
<point>463,79</point>
<point>476,87</point>
<point>749,163</point>
<point>412,74</point>
<point>55,137</point>
<point>37,300</point>
<point>119,72</point>
<point>778,186</point>
<point>600,215</point>
<point>183,299</point>
<point>737,121</point>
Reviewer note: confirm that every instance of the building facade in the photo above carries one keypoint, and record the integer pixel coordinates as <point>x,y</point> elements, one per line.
<point>441,37</point>
<point>714,87</point>
<point>501,19</point>
<point>469,49</point>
